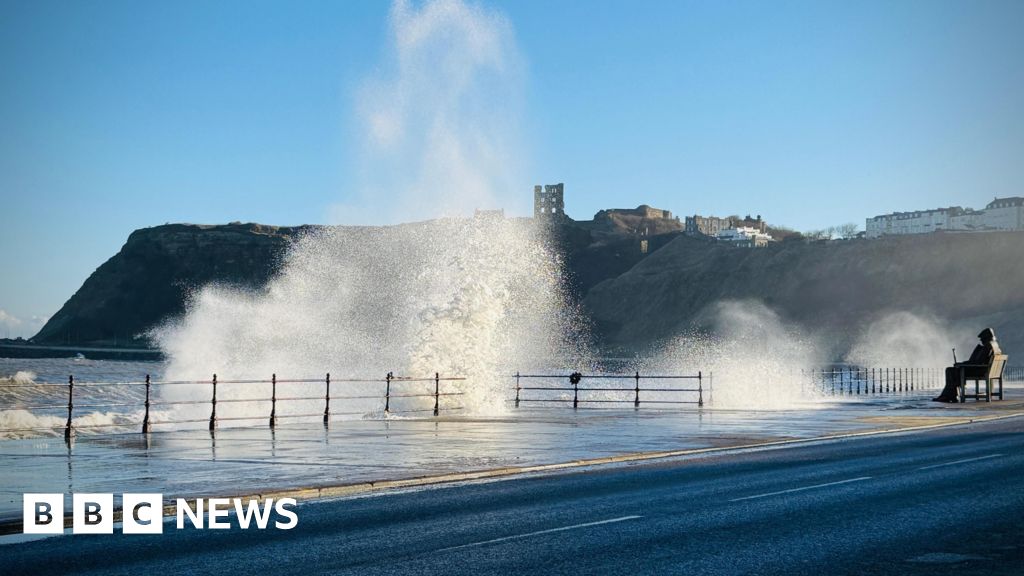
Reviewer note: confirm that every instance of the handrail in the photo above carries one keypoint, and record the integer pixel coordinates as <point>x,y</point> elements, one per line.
<point>862,380</point>
<point>847,380</point>
<point>147,422</point>
<point>575,378</point>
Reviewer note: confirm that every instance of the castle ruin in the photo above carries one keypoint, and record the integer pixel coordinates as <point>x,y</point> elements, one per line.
<point>549,201</point>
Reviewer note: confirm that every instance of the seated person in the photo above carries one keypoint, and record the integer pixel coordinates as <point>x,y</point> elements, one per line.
<point>976,366</point>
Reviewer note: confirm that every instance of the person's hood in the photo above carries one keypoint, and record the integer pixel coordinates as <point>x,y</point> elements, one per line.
<point>987,332</point>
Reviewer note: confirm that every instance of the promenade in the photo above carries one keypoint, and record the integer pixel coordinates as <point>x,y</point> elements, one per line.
<point>364,455</point>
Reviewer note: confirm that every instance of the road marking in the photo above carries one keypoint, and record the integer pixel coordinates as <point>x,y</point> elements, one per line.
<point>539,532</point>
<point>960,461</point>
<point>801,489</point>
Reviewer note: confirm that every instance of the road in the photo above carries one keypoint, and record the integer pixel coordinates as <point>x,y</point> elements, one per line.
<point>944,501</point>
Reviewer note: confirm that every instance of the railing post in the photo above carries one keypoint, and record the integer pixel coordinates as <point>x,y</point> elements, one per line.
<point>437,391</point>
<point>213,403</point>
<point>273,400</point>
<point>700,389</point>
<point>517,389</point>
<point>145,419</point>
<point>575,392</point>
<point>69,432</point>
<point>636,391</point>
<point>327,400</point>
<point>387,394</point>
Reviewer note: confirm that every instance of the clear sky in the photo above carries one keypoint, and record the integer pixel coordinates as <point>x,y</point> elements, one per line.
<point>121,115</point>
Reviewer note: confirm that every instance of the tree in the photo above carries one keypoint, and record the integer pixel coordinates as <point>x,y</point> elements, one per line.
<point>848,230</point>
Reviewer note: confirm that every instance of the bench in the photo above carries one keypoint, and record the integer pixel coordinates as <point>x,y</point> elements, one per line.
<point>995,373</point>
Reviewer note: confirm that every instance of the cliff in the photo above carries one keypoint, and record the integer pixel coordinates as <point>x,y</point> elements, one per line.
<point>150,277</point>
<point>635,298</point>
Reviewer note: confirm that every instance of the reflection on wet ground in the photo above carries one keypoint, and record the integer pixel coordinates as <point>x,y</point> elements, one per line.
<point>248,460</point>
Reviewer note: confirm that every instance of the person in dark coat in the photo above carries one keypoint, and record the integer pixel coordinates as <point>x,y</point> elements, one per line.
<point>975,367</point>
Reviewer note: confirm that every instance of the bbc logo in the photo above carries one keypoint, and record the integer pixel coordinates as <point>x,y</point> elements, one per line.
<point>93,513</point>
<point>144,513</point>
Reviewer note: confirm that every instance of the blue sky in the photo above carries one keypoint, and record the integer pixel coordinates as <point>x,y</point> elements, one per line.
<point>122,115</point>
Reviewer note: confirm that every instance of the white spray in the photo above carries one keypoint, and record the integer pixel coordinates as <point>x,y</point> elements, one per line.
<point>902,339</point>
<point>477,297</point>
<point>754,357</point>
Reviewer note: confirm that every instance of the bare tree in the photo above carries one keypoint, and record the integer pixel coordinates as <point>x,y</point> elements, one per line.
<point>848,230</point>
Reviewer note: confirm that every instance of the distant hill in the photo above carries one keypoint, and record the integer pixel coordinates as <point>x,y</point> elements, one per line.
<point>149,278</point>
<point>829,287</point>
<point>635,297</point>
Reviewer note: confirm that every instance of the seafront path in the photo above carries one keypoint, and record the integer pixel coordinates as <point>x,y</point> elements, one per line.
<point>307,461</point>
<point>938,500</point>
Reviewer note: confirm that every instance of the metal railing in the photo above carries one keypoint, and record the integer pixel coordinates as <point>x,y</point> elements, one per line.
<point>395,387</point>
<point>609,394</point>
<point>853,380</point>
<point>541,389</point>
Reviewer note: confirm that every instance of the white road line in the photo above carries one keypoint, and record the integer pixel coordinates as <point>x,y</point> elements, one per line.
<point>539,532</point>
<point>801,489</point>
<point>959,461</point>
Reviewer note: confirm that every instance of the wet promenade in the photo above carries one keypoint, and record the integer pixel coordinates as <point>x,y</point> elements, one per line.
<point>238,461</point>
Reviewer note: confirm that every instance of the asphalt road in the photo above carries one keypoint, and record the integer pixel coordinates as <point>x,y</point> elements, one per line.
<point>948,501</point>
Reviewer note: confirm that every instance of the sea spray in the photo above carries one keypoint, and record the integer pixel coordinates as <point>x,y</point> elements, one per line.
<point>439,119</point>
<point>28,398</point>
<point>903,339</point>
<point>755,357</point>
<point>477,298</point>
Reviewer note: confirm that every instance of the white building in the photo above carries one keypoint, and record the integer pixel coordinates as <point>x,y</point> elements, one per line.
<point>1000,214</point>
<point>746,236</point>
<point>1005,214</point>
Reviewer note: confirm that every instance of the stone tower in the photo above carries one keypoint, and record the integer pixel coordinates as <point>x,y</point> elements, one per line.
<point>548,202</point>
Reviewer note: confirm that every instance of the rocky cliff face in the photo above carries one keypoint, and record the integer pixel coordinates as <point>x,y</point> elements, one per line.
<point>635,298</point>
<point>150,277</point>
<point>832,289</point>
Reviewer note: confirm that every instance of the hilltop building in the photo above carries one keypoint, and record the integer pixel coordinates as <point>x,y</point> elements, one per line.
<point>640,221</point>
<point>712,225</point>
<point>549,201</point>
<point>999,214</point>
<point>489,214</point>
<point>708,226</point>
<point>745,236</point>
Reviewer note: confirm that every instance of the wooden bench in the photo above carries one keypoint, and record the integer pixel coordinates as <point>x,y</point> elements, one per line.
<point>995,372</point>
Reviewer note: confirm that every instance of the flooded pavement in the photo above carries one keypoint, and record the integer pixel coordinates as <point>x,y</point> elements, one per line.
<point>235,461</point>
